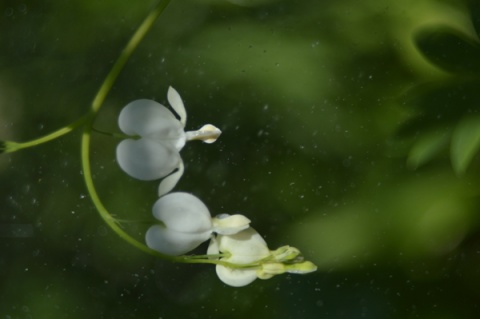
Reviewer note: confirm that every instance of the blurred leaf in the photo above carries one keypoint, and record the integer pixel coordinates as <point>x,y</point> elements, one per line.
<point>426,148</point>
<point>440,105</point>
<point>475,14</point>
<point>426,214</point>
<point>449,49</point>
<point>465,143</point>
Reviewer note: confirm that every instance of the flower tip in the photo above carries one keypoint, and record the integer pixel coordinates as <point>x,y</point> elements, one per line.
<point>177,104</point>
<point>215,135</point>
<point>304,267</point>
<point>211,133</point>
<point>207,133</point>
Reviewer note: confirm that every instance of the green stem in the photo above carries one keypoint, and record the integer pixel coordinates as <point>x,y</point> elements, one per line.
<point>87,121</point>
<point>127,53</point>
<point>87,131</point>
<point>9,146</point>
<point>86,138</point>
<point>113,223</point>
<point>107,217</point>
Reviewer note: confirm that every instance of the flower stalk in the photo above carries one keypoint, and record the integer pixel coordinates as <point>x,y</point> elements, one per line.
<point>154,137</point>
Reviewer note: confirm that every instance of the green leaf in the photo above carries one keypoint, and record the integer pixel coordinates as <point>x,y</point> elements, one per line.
<point>465,143</point>
<point>427,147</point>
<point>474,6</point>
<point>440,105</point>
<point>449,49</point>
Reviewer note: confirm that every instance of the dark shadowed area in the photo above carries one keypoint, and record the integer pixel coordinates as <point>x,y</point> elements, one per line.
<point>351,130</point>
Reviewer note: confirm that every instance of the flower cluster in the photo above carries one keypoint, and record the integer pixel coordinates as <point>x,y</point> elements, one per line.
<point>184,222</point>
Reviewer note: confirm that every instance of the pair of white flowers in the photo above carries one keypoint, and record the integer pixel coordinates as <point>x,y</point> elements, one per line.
<point>152,152</point>
<point>186,223</point>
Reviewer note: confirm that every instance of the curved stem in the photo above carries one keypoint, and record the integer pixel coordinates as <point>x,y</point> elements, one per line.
<point>86,137</point>
<point>107,217</point>
<point>87,121</point>
<point>113,223</point>
<point>127,53</point>
<point>10,146</point>
<point>87,131</point>
<point>96,104</point>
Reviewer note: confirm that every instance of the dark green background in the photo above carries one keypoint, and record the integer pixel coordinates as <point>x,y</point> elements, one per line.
<point>320,103</point>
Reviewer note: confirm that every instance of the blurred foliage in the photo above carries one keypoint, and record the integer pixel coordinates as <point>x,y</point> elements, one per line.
<point>350,130</point>
<point>448,106</point>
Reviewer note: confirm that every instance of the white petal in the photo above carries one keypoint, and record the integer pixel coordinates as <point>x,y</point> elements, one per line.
<point>177,104</point>
<point>245,247</point>
<point>183,212</point>
<point>235,277</point>
<point>168,132</point>
<point>171,242</point>
<point>230,224</point>
<point>145,159</point>
<point>141,117</point>
<point>169,182</point>
<point>149,119</point>
<point>213,246</point>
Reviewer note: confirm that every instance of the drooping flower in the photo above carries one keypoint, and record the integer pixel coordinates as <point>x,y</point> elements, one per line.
<point>186,223</point>
<point>157,138</point>
<point>248,248</point>
<point>243,247</point>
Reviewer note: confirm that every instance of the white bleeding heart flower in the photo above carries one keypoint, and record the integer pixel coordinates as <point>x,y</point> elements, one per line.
<point>242,248</point>
<point>157,138</point>
<point>186,223</point>
<point>248,248</point>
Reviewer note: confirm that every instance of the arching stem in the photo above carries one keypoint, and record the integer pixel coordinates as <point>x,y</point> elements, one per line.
<point>88,127</point>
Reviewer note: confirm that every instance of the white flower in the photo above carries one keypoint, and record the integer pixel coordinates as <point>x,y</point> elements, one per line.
<point>248,247</point>
<point>157,138</point>
<point>243,247</point>
<point>187,223</point>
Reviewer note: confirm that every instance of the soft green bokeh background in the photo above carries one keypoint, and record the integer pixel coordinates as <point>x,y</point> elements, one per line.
<point>338,117</point>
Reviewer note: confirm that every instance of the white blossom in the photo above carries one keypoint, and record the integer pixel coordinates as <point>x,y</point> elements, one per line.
<point>157,137</point>
<point>186,223</point>
<point>248,248</point>
<point>243,247</point>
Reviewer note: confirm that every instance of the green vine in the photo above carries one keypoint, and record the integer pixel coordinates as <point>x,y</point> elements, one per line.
<point>87,122</point>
